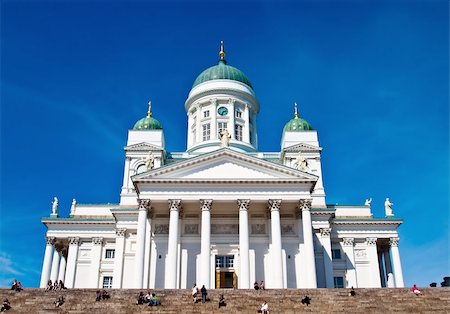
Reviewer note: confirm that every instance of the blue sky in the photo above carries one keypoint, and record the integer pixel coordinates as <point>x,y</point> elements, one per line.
<point>371,76</point>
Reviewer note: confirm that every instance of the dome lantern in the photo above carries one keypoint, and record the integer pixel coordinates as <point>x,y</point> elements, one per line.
<point>297,124</point>
<point>148,123</point>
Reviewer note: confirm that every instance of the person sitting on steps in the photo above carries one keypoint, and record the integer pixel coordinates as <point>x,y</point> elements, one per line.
<point>140,299</point>
<point>222,301</point>
<point>49,286</point>
<point>416,290</point>
<point>306,300</point>
<point>352,292</point>
<point>265,308</point>
<point>59,301</point>
<point>5,306</point>
<point>153,300</point>
<point>194,293</point>
<point>256,286</point>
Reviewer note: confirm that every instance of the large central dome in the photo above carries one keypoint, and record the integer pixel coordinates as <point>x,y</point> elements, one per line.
<point>222,71</point>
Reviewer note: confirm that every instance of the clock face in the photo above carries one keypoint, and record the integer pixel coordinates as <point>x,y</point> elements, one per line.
<point>222,111</point>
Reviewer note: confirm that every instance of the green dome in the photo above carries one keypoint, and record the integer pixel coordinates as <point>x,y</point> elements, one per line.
<point>297,125</point>
<point>148,123</point>
<point>222,71</point>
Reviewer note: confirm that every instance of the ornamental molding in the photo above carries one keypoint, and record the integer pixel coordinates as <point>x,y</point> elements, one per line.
<point>74,241</point>
<point>205,205</point>
<point>394,241</point>
<point>302,147</point>
<point>279,173</point>
<point>97,241</point>
<point>121,232</point>
<point>304,204</point>
<point>142,147</point>
<point>243,204</point>
<point>348,241</point>
<point>371,241</point>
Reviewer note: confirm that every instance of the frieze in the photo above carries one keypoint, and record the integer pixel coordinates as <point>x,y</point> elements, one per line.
<point>258,229</point>
<point>225,229</point>
<point>191,229</point>
<point>287,229</point>
<point>162,229</point>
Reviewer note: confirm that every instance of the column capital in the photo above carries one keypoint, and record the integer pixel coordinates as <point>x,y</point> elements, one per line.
<point>394,241</point>
<point>74,241</point>
<point>304,204</point>
<point>371,241</point>
<point>50,240</point>
<point>120,232</point>
<point>175,205</point>
<point>274,205</point>
<point>97,241</point>
<point>205,205</point>
<point>348,241</point>
<point>144,204</point>
<point>243,204</point>
<point>325,232</point>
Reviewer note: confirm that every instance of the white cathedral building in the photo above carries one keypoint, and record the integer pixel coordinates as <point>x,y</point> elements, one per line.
<point>221,214</point>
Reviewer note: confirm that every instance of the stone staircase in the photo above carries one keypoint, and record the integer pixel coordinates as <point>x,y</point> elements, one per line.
<point>433,300</point>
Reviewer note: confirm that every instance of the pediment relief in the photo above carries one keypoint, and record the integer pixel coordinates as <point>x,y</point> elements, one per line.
<point>143,147</point>
<point>303,147</point>
<point>227,165</point>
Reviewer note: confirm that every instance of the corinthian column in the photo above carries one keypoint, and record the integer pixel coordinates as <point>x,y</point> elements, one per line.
<point>327,260</point>
<point>172,247</point>
<point>55,264</point>
<point>244,244</point>
<point>205,264</point>
<point>71,262</point>
<point>310,260</point>
<point>144,206</point>
<point>45,276</point>
<point>277,256</point>
<point>372,254</point>
<point>396,264</point>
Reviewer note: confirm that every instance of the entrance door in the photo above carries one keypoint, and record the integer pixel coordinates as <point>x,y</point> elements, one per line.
<point>226,279</point>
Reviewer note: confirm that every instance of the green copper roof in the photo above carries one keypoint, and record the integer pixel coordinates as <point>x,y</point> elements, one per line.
<point>297,125</point>
<point>222,71</point>
<point>147,123</point>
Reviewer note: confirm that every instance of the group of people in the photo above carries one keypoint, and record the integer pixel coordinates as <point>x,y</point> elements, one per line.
<point>102,295</point>
<point>149,298</point>
<point>57,285</point>
<point>16,286</point>
<point>196,291</point>
<point>259,286</point>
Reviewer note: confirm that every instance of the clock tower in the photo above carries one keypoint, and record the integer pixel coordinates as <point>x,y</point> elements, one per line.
<point>221,98</point>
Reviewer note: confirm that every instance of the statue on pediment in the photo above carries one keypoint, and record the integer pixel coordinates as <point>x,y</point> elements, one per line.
<point>388,207</point>
<point>150,161</point>
<point>225,138</point>
<point>301,163</point>
<point>73,207</point>
<point>368,202</point>
<point>55,206</point>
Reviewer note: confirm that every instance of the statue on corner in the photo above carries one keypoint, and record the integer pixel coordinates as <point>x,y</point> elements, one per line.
<point>55,206</point>
<point>388,207</point>
<point>368,202</point>
<point>224,138</point>
<point>150,161</point>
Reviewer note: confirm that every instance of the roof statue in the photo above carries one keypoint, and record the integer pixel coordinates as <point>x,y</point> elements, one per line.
<point>224,138</point>
<point>368,202</point>
<point>388,207</point>
<point>72,208</point>
<point>55,206</point>
<point>150,161</point>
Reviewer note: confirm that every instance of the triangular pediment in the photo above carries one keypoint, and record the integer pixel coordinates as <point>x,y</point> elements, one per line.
<point>142,147</point>
<point>225,164</point>
<point>303,147</point>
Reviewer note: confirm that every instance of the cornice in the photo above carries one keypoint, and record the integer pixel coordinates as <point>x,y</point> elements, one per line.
<point>375,221</point>
<point>302,147</point>
<point>142,147</point>
<point>58,221</point>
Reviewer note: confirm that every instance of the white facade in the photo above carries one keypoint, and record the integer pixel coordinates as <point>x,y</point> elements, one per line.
<point>222,213</point>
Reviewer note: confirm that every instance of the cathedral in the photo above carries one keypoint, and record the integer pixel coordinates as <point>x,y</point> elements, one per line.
<point>222,214</point>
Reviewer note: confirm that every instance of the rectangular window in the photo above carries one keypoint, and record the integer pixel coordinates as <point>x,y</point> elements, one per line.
<point>220,127</point>
<point>206,131</point>
<point>107,282</point>
<point>110,253</point>
<point>206,114</point>
<point>338,282</point>
<point>225,261</point>
<point>238,132</point>
<point>238,114</point>
<point>336,254</point>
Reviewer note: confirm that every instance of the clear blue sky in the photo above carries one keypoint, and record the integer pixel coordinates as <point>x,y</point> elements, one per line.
<point>370,76</point>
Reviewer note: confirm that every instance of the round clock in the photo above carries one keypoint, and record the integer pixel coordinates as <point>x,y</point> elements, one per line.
<point>222,111</point>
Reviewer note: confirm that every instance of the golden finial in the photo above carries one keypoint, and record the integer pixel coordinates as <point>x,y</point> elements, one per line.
<point>222,51</point>
<point>149,112</point>
<point>295,111</point>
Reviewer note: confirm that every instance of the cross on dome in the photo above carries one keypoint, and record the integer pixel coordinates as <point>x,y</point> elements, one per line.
<point>149,112</point>
<point>222,52</point>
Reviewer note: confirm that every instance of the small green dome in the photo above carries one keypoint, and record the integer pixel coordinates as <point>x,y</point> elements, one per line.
<point>297,125</point>
<point>148,123</point>
<point>222,71</point>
